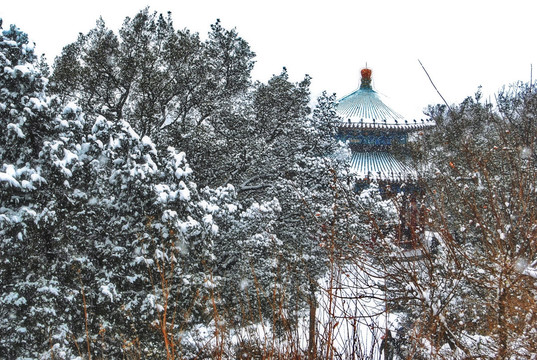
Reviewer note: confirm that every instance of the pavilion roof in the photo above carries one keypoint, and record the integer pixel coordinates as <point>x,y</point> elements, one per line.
<point>364,108</point>
<point>380,165</point>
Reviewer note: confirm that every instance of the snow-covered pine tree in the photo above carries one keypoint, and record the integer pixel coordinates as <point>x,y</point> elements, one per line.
<point>146,239</point>
<point>29,211</point>
<point>152,75</point>
<point>284,171</point>
<point>93,220</point>
<point>260,139</point>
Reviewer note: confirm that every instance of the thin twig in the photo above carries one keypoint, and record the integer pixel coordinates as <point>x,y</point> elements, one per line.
<point>88,340</point>
<point>431,80</point>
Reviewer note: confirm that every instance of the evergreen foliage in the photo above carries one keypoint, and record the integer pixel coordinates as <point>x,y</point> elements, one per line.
<point>125,251</point>
<point>156,202</point>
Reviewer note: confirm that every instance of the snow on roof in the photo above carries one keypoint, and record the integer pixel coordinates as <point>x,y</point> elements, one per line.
<point>364,108</point>
<point>379,165</point>
<point>365,104</point>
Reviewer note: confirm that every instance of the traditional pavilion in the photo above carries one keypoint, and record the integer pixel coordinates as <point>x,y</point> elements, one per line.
<point>377,137</point>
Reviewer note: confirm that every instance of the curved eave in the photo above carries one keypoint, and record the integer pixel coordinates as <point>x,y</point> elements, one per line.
<point>404,127</point>
<point>381,166</point>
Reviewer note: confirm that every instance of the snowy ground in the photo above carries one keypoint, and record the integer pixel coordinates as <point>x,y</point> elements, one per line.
<point>352,311</point>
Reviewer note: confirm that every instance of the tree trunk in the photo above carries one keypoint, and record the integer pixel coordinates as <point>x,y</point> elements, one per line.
<point>312,341</point>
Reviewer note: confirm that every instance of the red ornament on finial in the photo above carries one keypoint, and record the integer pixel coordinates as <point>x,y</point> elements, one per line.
<point>366,79</point>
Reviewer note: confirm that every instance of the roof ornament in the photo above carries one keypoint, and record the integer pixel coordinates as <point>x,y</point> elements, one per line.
<point>366,78</point>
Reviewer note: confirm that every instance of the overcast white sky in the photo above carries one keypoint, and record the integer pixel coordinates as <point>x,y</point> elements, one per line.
<point>462,43</point>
